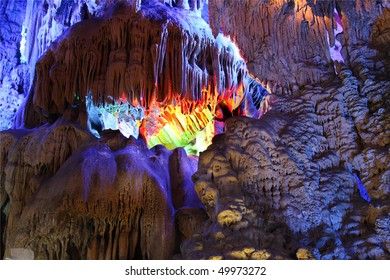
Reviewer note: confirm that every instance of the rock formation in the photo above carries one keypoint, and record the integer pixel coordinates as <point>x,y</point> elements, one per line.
<point>297,166</point>
<point>77,198</point>
<point>140,220</point>
<point>302,174</point>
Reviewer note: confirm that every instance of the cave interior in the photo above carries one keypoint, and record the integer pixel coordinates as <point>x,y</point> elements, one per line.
<point>195,129</point>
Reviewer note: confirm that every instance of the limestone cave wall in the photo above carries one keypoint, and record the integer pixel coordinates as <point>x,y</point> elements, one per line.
<point>327,130</point>
<point>308,179</point>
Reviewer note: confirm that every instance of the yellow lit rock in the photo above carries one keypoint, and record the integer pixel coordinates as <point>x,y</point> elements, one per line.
<point>219,235</point>
<point>210,197</point>
<point>304,254</point>
<point>249,251</point>
<point>228,217</point>
<point>200,187</point>
<point>238,255</point>
<point>260,255</point>
<point>216,258</point>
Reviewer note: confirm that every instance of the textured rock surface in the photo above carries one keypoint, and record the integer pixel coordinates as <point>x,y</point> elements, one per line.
<point>283,183</point>
<point>28,30</point>
<point>67,162</point>
<point>31,27</point>
<point>28,158</point>
<point>76,197</point>
<point>161,58</point>
<point>155,55</point>
<point>14,80</point>
<point>284,186</point>
<point>284,42</point>
<point>293,168</point>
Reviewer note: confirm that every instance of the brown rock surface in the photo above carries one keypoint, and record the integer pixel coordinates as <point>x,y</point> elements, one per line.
<point>278,187</point>
<point>294,166</point>
<point>75,197</point>
<point>155,55</point>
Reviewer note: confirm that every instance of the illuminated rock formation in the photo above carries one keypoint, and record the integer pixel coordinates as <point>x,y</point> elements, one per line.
<point>68,80</point>
<point>297,165</point>
<point>13,82</point>
<point>110,207</point>
<point>309,179</point>
<point>76,197</point>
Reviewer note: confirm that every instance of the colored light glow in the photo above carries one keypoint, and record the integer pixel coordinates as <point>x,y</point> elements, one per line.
<point>190,124</point>
<point>118,115</point>
<point>191,131</point>
<point>362,190</point>
<point>187,124</point>
<point>22,47</point>
<point>335,50</point>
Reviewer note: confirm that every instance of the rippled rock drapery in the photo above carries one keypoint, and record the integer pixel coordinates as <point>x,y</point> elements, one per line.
<point>31,28</point>
<point>284,42</point>
<point>278,183</point>
<point>160,59</point>
<point>77,197</point>
<point>154,55</point>
<point>104,209</point>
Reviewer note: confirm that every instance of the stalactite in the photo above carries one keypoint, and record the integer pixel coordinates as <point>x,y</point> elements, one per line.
<point>147,57</point>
